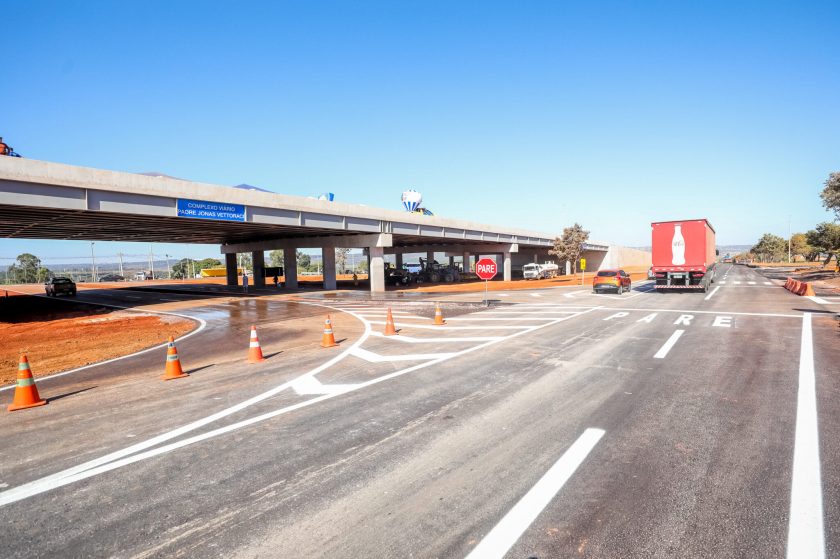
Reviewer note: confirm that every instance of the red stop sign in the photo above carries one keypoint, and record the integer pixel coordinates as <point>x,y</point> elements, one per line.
<point>485,269</point>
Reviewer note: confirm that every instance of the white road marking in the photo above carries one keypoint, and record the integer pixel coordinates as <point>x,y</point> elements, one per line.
<point>132,454</point>
<point>737,282</point>
<point>497,319</point>
<point>768,283</point>
<point>447,327</point>
<point>684,319</point>
<point>411,340</point>
<point>530,312</point>
<point>510,528</point>
<point>395,316</point>
<point>663,351</point>
<point>805,526</point>
<point>751,283</point>
<point>709,296</point>
<point>722,282</point>
<point>535,295</point>
<point>306,386</point>
<point>821,301</point>
<point>695,311</point>
<point>649,318</point>
<point>372,357</point>
<point>573,293</point>
<point>723,321</point>
<point>617,315</point>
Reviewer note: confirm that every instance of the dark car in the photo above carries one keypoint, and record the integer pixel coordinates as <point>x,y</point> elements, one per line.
<point>60,286</point>
<point>112,277</point>
<point>617,280</point>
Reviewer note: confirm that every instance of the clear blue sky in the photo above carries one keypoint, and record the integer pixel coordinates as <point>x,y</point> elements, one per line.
<point>527,114</point>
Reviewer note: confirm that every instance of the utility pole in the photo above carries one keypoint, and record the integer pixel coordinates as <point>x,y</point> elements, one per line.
<point>121,265</point>
<point>789,239</point>
<point>168,269</point>
<point>151,261</point>
<point>92,263</point>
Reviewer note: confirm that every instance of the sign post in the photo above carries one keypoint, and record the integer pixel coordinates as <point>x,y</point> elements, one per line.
<point>486,269</point>
<point>582,270</point>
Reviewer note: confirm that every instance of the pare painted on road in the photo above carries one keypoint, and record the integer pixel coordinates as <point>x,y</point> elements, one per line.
<point>720,320</point>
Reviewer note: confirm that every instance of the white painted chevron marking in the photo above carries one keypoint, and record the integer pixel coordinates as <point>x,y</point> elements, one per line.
<point>377,358</point>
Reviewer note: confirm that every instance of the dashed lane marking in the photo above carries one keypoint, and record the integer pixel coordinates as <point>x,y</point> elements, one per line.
<point>710,295</point>
<point>663,351</point>
<point>510,528</point>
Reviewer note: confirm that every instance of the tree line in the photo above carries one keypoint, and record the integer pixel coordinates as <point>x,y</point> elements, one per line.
<point>823,240</point>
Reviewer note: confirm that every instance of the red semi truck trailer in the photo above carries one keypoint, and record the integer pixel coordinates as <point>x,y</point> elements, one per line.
<point>684,254</point>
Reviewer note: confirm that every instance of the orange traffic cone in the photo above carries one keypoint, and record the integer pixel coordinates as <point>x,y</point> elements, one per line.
<point>254,350</point>
<point>390,330</point>
<point>439,316</point>
<point>26,393</point>
<point>328,340</point>
<point>173,364</point>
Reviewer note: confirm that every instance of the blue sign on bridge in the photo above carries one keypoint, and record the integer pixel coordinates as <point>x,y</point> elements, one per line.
<point>219,211</point>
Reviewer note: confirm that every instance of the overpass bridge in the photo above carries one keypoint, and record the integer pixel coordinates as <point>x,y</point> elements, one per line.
<point>44,200</point>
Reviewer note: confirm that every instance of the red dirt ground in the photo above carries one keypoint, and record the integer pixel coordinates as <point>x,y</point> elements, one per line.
<point>58,341</point>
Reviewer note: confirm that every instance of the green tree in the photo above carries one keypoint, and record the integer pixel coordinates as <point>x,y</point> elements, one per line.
<point>770,248</point>
<point>275,258</point>
<point>569,246</point>
<point>183,268</point>
<point>341,259</point>
<point>825,238</point>
<point>27,269</point>
<point>799,246</point>
<point>207,263</point>
<point>831,194</point>
<point>303,260</point>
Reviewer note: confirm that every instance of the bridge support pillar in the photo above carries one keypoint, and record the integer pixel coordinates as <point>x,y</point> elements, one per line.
<point>290,267</point>
<point>258,260</point>
<point>376,268</point>
<point>399,260</point>
<point>507,270</point>
<point>328,260</point>
<point>467,264</point>
<point>230,269</point>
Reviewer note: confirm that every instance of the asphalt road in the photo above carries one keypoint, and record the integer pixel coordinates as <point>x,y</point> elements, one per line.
<point>556,423</point>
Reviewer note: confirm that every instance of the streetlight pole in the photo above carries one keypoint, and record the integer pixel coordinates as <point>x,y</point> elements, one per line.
<point>168,269</point>
<point>151,261</point>
<point>92,263</point>
<point>789,239</point>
